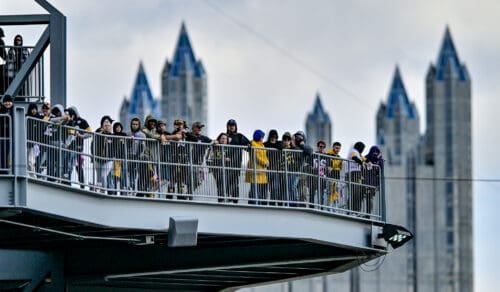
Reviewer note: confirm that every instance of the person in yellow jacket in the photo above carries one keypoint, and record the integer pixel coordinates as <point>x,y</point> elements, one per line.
<point>256,168</point>
<point>334,171</point>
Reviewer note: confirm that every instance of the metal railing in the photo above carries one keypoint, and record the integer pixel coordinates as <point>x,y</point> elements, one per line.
<point>5,144</point>
<point>32,89</point>
<point>179,170</point>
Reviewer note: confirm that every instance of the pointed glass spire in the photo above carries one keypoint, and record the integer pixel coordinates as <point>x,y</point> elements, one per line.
<point>318,113</point>
<point>141,99</point>
<point>448,59</point>
<point>398,98</point>
<point>184,58</point>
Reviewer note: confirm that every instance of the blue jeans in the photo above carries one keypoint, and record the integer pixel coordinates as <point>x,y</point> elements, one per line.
<point>293,191</point>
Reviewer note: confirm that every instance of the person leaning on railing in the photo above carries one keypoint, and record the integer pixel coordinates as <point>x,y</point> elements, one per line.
<point>290,168</point>
<point>317,181</point>
<point>55,140</point>
<point>33,133</point>
<point>149,158</point>
<point>355,175</point>
<point>219,160</point>
<point>5,134</point>
<point>303,160</point>
<point>333,171</point>
<point>135,148</point>
<point>102,147</point>
<point>180,176</point>
<point>372,175</point>
<point>120,150</point>
<point>199,149</point>
<point>256,169</point>
<point>273,176</point>
<point>81,132</point>
<point>236,155</point>
<point>43,138</point>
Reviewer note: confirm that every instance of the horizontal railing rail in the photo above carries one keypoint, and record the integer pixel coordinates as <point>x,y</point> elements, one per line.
<point>180,170</point>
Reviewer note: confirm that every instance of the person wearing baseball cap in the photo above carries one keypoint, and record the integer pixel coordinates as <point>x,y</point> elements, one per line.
<point>200,145</point>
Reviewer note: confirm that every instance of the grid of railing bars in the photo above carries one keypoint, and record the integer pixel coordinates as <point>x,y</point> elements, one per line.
<point>5,144</point>
<point>184,170</point>
<point>32,89</point>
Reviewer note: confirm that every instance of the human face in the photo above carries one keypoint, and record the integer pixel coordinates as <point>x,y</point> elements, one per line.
<point>196,131</point>
<point>223,139</point>
<point>321,148</point>
<point>231,128</point>
<point>337,148</point>
<point>118,129</point>
<point>151,125</point>
<point>7,104</point>
<point>135,125</point>
<point>162,128</point>
<point>106,126</point>
<point>18,41</point>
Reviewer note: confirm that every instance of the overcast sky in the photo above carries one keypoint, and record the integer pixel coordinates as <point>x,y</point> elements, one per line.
<point>266,60</point>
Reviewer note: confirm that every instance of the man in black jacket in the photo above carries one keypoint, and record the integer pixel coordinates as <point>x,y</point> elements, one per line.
<point>235,153</point>
<point>198,149</point>
<point>304,162</point>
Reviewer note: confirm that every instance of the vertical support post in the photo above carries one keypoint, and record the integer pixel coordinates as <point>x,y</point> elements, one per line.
<point>57,53</point>
<point>19,156</point>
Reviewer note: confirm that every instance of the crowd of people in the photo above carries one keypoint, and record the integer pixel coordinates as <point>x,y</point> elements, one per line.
<point>145,157</point>
<point>118,154</point>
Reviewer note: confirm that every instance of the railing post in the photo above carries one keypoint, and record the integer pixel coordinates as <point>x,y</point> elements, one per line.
<point>383,206</point>
<point>191,167</point>
<point>18,154</point>
<point>19,139</point>
<point>253,155</point>
<point>287,188</point>
<point>224,178</point>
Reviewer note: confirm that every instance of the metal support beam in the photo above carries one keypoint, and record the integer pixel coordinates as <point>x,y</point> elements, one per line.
<point>32,19</point>
<point>29,64</point>
<point>156,259</point>
<point>57,53</point>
